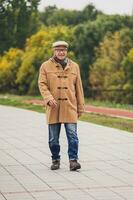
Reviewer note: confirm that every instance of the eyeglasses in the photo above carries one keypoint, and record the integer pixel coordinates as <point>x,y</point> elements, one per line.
<point>61,50</point>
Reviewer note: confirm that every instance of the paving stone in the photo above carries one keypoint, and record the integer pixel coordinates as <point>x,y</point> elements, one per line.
<point>19,196</point>
<point>104,194</point>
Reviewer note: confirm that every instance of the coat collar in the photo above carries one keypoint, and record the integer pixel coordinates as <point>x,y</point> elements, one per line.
<point>59,65</point>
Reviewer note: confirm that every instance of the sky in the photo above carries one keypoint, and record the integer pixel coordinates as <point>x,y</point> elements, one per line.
<point>107,6</point>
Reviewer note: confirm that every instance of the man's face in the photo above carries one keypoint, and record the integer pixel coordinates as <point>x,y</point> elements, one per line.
<point>60,52</point>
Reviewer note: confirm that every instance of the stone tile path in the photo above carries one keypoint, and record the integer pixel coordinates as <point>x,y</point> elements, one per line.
<point>106,156</point>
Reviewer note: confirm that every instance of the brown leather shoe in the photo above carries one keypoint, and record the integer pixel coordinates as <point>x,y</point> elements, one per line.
<point>55,164</point>
<point>74,165</point>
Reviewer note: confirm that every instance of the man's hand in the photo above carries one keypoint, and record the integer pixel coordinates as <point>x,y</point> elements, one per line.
<point>79,114</point>
<point>52,103</point>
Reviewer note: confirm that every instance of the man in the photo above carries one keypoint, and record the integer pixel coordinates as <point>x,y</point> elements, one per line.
<point>61,88</point>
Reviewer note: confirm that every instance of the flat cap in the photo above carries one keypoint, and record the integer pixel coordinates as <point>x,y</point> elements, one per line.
<point>60,43</point>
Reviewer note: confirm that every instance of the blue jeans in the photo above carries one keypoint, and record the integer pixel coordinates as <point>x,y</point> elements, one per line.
<point>71,133</point>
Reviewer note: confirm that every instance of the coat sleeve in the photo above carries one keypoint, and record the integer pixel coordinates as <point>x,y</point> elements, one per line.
<point>79,93</point>
<point>43,85</point>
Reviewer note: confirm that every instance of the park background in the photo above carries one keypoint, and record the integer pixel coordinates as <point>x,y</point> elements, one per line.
<point>101,43</point>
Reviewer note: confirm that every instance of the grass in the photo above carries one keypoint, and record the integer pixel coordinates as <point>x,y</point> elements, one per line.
<point>119,123</point>
<point>18,97</point>
<point>20,104</point>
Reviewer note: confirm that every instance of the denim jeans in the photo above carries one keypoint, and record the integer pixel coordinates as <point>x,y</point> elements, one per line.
<point>72,138</point>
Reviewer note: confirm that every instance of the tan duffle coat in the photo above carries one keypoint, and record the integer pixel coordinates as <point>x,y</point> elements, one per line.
<point>63,85</point>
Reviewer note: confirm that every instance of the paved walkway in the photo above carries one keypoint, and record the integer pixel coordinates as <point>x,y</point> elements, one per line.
<point>106,155</point>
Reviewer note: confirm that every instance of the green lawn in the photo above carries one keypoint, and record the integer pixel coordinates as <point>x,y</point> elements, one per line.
<point>119,123</point>
<point>17,97</point>
<point>18,103</point>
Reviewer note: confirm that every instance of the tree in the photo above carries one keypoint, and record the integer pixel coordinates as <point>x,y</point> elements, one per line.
<point>87,37</point>
<point>128,68</point>
<point>107,71</point>
<point>9,64</point>
<point>54,16</point>
<point>18,20</point>
<point>89,13</point>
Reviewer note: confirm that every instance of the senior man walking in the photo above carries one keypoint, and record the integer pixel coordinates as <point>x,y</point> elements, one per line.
<point>61,88</point>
